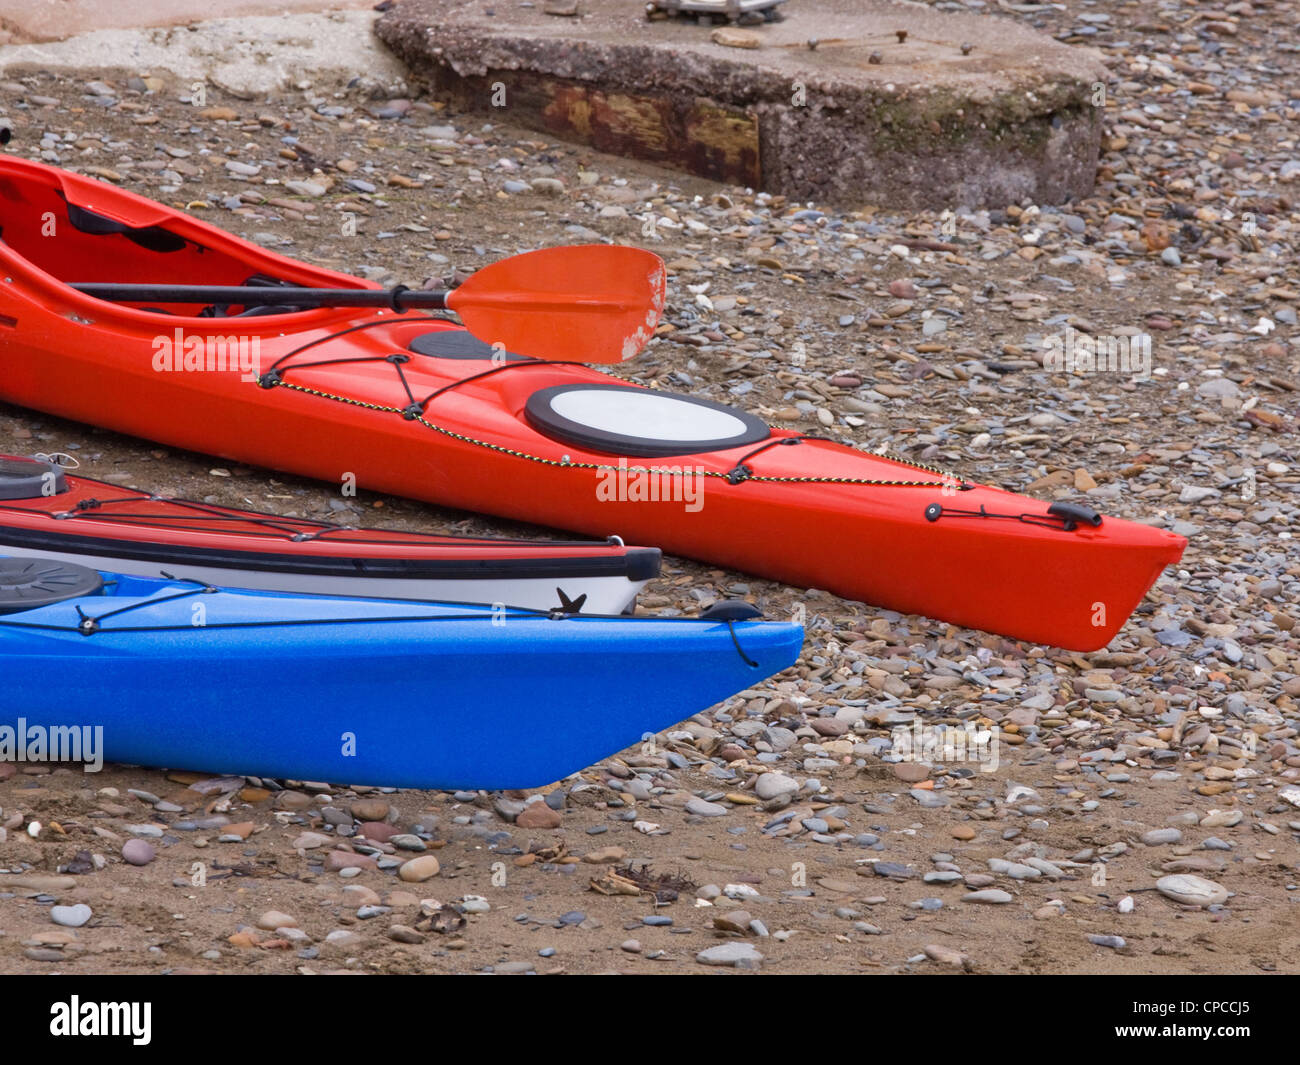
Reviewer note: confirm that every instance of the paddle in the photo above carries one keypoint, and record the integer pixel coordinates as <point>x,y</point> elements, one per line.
<point>586,303</point>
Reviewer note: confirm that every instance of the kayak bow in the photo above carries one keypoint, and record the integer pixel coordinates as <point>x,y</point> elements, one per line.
<point>362,691</point>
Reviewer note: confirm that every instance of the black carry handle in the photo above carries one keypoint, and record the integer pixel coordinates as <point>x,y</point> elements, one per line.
<point>399,299</point>
<point>1079,513</point>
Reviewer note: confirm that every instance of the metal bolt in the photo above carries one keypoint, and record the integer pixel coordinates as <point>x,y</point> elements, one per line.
<point>966,49</point>
<point>874,57</point>
<point>902,35</point>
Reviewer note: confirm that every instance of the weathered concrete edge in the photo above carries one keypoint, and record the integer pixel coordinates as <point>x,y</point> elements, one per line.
<point>961,144</point>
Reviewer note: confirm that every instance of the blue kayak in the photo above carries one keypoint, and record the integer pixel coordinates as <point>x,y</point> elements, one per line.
<point>360,691</point>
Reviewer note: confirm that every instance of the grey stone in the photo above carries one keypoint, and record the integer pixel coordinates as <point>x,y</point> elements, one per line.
<point>1192,890</point>
<point>71,916</point>
<point>1158,837</point>
<point>1014,869</point>
<point>941,877</point>
<point>701,808</point>
<point>1114,942</point>
<point>930,800</point>
<point>514,968</point>
<point>993,896</point>
<point>770,785</point>
<point>736,955</point>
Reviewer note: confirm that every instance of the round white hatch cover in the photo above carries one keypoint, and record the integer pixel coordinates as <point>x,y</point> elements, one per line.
<point>621,419</point>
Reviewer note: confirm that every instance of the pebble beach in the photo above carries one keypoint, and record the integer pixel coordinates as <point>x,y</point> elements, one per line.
<point>1139,812</point>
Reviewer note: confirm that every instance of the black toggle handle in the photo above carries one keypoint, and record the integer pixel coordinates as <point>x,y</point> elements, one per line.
<point>1075,512</point>
<point>731,610</point>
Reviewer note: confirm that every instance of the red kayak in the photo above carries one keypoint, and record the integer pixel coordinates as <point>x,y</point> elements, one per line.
<point>46,514</point>
<point>413,405</point>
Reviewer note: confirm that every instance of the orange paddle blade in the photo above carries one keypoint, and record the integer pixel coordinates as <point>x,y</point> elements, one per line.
<point>585,303</point>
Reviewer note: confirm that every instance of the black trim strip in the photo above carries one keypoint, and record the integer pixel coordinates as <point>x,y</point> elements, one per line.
<point>636,563</point>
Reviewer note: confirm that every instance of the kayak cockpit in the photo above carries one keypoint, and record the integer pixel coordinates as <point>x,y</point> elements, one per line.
<point>77,243</point>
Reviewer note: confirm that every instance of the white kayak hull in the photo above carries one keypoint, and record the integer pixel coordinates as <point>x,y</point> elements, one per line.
<point>606,594</point>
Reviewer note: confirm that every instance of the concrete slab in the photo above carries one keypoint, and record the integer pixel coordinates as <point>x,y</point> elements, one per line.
<point>28,21</point>
<point>245,57</point>
<point>858,101</point>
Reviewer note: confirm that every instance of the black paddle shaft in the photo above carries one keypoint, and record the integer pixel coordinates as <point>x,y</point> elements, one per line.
<point>399,299</point>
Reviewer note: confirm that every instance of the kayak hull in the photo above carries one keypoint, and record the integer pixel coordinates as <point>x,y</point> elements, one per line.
<point>599,595</point>
<point>108,527</point>
<point>814,513</point>
<point>374,692</point>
